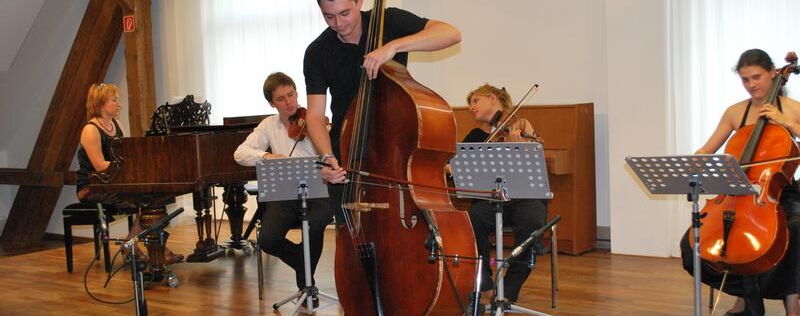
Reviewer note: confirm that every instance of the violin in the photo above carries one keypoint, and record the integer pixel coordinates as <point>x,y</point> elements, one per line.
<point>297,125</point>
<point>512,124</point>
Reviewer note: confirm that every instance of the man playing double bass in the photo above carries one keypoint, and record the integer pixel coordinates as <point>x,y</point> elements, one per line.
<point>333,62</point>
<point>756,71</point>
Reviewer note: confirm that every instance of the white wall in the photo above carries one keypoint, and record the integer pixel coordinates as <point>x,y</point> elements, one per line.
<point>638,122</point>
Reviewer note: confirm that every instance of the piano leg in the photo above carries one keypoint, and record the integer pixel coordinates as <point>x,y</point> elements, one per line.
<point>206,248</point>
<point>155,247</point>
<point>234,197</point>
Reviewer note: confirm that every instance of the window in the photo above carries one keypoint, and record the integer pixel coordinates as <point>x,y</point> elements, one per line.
<point>246,40</point>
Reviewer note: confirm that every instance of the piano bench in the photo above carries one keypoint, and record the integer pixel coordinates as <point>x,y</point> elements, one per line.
<point>86,213</point>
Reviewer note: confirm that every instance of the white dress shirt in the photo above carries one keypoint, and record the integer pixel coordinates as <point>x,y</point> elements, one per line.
<point>270,133</point>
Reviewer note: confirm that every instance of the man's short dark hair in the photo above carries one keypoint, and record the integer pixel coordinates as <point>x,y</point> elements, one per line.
<point>275,80</point>
<point>320,1</point>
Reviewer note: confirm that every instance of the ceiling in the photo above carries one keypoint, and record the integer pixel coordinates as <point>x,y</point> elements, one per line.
<point>16,19</point>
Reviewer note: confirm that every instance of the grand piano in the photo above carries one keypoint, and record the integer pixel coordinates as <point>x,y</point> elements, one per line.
<point>150,171</point>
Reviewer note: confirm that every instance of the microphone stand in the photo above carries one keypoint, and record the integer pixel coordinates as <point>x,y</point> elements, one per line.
<point>138,282</point>
<point>528,242</point>
<point>136,274</point>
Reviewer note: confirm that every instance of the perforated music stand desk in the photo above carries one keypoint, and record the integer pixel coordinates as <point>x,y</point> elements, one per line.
<point>514,170</point>
<point>692,175</point>
<point>522,166</point>
<point>286,179</point>
<point>278,179</point>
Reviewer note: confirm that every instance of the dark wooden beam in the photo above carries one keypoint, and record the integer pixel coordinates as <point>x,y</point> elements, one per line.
<point>32,178</point>
<point>139,66</point>
<point>87,63</point>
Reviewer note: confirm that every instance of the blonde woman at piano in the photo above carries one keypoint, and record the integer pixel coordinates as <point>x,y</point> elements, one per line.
<point>487,104</point>
<point>102,110</point>
<point>270,140</point>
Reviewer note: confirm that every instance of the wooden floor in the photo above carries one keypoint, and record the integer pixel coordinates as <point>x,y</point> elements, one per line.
<point>597,283</point>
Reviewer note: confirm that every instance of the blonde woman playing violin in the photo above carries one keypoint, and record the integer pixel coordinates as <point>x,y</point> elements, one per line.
<point>488,105</point>
<point>525,215</point>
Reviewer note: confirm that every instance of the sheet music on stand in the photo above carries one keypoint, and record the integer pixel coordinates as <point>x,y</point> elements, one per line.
<point>476,166</point>
<point>279,178</point>
<point>720,174</point>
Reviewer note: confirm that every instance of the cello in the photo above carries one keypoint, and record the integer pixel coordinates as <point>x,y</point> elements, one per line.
<point>381,265</point>
<point>748,235</point>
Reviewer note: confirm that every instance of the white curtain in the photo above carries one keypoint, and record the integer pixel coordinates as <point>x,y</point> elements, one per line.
<point>246,40</point>
<point>706,38</point>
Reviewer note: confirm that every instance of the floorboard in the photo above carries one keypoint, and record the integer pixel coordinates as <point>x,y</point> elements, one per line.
<point>596,283</point>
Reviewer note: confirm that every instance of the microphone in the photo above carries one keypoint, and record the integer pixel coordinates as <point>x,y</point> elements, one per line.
<point>529,241</point>
<point>434,240</point>
<point>160,224</point>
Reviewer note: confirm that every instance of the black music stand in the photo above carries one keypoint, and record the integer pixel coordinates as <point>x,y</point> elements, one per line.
<point>287,179</point>
<point>692,175</point>
<point>512,170</point>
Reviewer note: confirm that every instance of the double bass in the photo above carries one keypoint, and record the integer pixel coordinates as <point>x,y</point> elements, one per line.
<point>398,128</point>
<point>747,235</point>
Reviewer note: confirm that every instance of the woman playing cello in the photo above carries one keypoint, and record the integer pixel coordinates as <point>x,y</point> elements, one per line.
<point>756,71</point>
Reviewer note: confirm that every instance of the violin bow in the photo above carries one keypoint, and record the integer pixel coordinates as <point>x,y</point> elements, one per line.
<point>534,88</point>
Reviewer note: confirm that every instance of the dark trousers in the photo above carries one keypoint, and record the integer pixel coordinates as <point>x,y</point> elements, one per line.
<point>523,216</point>
<point>335,192</point>
<point>279,218</point>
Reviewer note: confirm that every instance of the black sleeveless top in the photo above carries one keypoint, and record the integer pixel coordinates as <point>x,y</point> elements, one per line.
<point>747,110</point>
<point>82,176</point>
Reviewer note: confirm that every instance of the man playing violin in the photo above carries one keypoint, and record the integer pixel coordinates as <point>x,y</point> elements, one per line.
<point>756,70</point>
<point>487,103</point>
<point>270,140</point>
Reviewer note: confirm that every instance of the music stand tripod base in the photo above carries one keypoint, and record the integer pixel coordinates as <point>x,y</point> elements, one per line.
<point>692,175</point>
<point>298,179</point>
<point>513,170</point>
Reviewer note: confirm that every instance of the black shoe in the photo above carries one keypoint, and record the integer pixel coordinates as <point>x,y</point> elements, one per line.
<point>314,301</point>
<point>734,313</point>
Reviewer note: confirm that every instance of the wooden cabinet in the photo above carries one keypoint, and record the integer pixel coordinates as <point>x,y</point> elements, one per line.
<point>568,133</point>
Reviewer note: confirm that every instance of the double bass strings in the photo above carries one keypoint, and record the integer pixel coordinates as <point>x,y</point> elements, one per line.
<point>358,139</point>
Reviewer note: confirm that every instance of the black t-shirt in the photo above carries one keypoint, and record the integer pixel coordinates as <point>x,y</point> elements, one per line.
<point>331,64</point>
